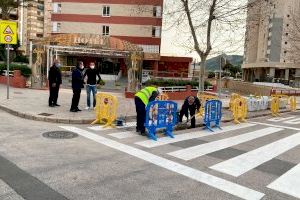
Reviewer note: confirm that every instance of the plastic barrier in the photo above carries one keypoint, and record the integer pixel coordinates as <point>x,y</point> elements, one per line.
<point>293,103</point>
<point>213,113</point>
<point>239,110</point>
<point>161,114</point>
<point>275,106</point>
<point>233,97</point>
<point>163,97</point>
<point>203,99</point>
<point>257,103</point>
<point>106,109</point>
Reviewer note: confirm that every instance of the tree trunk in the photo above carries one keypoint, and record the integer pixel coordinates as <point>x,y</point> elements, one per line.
<point>202,73</point>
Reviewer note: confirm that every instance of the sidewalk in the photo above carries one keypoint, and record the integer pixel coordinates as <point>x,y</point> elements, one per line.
<point>33,104</point>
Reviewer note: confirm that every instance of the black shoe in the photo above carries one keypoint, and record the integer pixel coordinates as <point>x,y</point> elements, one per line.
<point>137,130</point>
<point>73,110</point>
<point>51,105</point>
<point>56,104</point>
<point>143,134</point>
<point>77,109</point>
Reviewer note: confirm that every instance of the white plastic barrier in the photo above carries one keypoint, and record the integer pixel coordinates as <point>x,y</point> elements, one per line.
<point>256,104</point>
<point>282,103</point>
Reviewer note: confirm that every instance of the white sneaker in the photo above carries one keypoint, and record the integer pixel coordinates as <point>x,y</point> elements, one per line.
<point>87,108</point>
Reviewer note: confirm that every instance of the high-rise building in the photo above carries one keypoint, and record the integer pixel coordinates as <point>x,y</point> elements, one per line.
<point>269,52</point>
<point>136,21</point>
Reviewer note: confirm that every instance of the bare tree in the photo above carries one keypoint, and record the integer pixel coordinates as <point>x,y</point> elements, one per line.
<point>208,24</point>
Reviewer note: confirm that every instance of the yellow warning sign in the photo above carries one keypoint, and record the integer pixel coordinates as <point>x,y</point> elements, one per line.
<point>8,32</point>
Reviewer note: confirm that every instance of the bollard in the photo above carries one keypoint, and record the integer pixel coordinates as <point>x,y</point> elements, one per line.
<point>213,113</point>
<point>239,110</point>
<point>275,106</point>
<point>106,109</point>
<point>293,103</point>
<point>161,114</point>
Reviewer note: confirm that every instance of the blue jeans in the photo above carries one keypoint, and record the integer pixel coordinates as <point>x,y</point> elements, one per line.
<point>91,89</point>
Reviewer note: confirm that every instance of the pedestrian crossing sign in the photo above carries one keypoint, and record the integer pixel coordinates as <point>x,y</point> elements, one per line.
<point>8,32</point>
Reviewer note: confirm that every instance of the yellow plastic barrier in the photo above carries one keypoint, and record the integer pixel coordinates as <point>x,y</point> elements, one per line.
<point>203,99</point>
<point>293,103</point>
<point>162,97</point>
<point>275,106</point>
<point>106,109</point>
<point>239,110</point>
<point>233,97</point>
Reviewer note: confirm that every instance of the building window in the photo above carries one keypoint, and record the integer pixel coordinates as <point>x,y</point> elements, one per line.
<point>56,27</point>
<point>287,25</point>
<point>56,8</point>
<point>105,30</point>
<point>157,11</point>
<point>285,43</point>
<point>288,15</point>
<point>156,31</point>
<point>106,11</point>
<point>286,34</point>
<point>284,52</point>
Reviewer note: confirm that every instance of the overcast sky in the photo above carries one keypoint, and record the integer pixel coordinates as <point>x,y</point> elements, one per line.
<point>170,45</point>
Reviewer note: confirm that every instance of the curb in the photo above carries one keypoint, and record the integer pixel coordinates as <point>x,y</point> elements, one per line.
<point>89,121</point>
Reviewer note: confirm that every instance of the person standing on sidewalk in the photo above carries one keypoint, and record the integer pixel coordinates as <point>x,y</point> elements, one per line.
<point>91,86</point>
<point>54,83</point>
<point>77,84</point>
<point>141,99</point>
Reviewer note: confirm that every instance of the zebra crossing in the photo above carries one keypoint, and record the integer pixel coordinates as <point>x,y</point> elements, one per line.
<point>284,138</point>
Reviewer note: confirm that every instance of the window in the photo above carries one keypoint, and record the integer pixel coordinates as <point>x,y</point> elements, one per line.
<point>157,11</point>
<point>285,43</point>
<point>287,25</point>
<point>105,30</point>
<point>56,27</point>
<point>156,31</point>
<point>286,34</point>
<point>106,11</point>
<point>56,8</point>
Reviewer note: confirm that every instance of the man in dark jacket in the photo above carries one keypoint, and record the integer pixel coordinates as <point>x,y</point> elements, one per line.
<point>77,84</point>
<point>54,83</point>
<point>191,104</point>
<point>91,84</point>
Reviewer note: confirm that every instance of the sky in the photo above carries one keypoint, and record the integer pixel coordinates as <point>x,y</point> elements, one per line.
<point>170,44</point>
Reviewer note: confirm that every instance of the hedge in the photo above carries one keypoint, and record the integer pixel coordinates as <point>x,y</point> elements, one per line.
<point>172,82</point>
<point>25,70</point>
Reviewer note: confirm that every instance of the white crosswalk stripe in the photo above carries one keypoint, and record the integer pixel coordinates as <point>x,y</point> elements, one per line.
<point>101,128</point>
<point>245,162</point>
<point>191,135</point>
<point>200,150</point>
<point>123,135</point>
<point>288,183</point>
<point>280,119</point>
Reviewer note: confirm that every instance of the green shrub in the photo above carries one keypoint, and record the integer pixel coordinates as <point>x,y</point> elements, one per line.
<point>21,59</point>
<point>25,70</point>
<point>173,82</point>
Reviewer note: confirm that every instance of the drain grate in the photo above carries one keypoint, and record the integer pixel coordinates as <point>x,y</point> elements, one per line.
<point>60,135</point>
<point>45,114</point>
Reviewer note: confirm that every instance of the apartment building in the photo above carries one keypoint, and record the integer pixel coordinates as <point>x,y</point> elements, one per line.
<point>269,52</point>
<point>136,21</point>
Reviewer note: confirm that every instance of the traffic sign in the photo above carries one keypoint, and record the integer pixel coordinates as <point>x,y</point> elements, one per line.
<point>8,32</point>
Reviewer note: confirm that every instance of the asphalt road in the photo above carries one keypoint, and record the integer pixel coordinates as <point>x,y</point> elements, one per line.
<point>255,160</point>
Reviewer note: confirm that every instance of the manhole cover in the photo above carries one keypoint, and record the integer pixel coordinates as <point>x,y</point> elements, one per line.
<point>60,135</point>
<point>45,114</point>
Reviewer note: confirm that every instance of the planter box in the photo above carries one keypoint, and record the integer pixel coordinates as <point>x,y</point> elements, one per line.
<point>17,80</point>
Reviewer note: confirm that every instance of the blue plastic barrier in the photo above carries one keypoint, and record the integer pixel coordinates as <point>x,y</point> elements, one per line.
<point>213,113</point>
<point>161,114</point>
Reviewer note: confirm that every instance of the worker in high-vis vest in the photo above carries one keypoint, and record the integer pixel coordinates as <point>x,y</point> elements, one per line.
<point>141,99</point>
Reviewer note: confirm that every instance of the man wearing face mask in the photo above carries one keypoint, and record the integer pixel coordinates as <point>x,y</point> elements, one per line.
<point>191,103</point>
<point>91,86</point>
<point>77,84</point>
<point>54,83</point>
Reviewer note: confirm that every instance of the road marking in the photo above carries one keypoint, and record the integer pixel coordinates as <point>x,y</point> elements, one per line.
<point>191,135</point>
<point>277,126</point>
<point>123,135</point>
<point>247,161</point>
<point>280,119</point>
<point>293,121</point>
<point>288,183</point>
<point>101,128</point>
<point>203,149</point>
<point>213,181</point>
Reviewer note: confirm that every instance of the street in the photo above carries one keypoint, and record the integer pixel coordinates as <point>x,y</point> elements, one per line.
<point>254,160</point>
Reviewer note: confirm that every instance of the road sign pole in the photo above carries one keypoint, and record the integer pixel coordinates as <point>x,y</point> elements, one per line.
<point>7,70</point>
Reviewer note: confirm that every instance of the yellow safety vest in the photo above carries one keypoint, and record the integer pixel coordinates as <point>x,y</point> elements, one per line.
<point>145,94</point>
